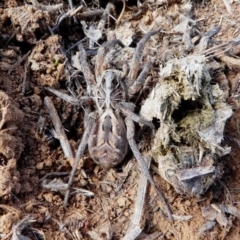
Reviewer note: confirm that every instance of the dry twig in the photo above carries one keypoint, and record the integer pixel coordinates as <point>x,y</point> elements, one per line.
<point>228,6</point>
<point>17,229</point>
<point>121,14</point>
<point>19,61</point>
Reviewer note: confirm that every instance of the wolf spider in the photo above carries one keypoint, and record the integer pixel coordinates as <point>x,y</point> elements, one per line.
<point>110,129</point>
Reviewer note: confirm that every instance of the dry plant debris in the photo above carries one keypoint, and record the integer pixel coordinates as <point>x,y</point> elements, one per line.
<point>192,115</point>
<point>196,119</point>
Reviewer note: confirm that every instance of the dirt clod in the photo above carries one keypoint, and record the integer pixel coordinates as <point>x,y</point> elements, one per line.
<point>196,128</point>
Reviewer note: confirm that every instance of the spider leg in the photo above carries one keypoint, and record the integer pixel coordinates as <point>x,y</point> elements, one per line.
<point>73,100</point>
<point>137,56</point>
<point>61,135</point>
<point>101,62</point>
<point>143,166</point>
<point>127,110</point>
<point>65,144</point>
<point>85,68</point>
<point>135,228</point>
<point>140,80</point>
<point>79,154</point>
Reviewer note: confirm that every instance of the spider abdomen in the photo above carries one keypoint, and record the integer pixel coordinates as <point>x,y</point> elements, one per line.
<point>108,143</point>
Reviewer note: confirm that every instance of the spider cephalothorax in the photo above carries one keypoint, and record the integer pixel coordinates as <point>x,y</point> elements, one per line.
<point>110,90</point>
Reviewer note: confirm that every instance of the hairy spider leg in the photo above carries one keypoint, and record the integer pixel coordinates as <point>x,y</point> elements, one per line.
<point>81,148</point>
<point>133,145</point>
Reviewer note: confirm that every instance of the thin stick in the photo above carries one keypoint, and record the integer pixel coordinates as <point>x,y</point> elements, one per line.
<point>11,37</point>
<point>231,43</point>
<point>228,6</point>
<point>134,227</point>
<point>80,152</point>
<point>74,45</point>
<point>58,128</point>
<point>70,4</point>
<point>121,14</point>
<point>206,37</point>
<point>24,78</point>
<point>54,174</point>
<point>19,61</point>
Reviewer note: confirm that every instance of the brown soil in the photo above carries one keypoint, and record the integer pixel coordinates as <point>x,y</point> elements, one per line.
<point>28,151</point>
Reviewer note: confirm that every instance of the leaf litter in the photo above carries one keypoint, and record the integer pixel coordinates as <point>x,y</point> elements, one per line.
<point>191,93</point>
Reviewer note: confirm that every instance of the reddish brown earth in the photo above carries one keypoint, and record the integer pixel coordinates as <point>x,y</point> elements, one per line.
<point>28,153</point>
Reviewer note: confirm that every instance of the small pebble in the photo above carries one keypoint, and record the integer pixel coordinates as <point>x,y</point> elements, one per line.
<point>122,201</point>
<point>40,165</point>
